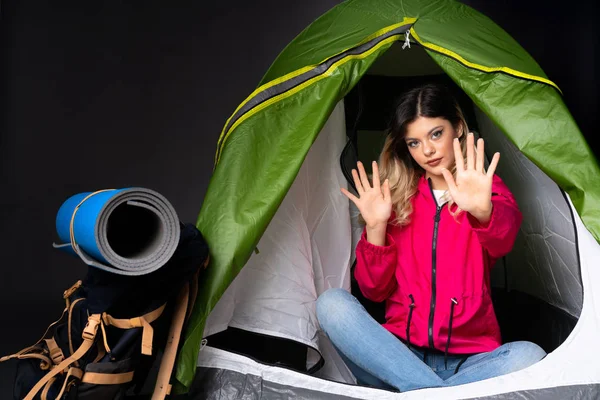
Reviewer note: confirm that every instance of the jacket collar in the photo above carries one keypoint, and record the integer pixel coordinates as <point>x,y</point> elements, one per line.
<point>424,188</point>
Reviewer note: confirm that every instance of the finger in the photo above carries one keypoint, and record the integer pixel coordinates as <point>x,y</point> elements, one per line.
<point>376,184</point>
<point>350,196</point>
<point>357,183</point>
<point>470,151</point>
<point>387,194</point>
<point>493,165</point>
<point>363,177</point>
<point>480,155</point>
<point>449,181</point>
<point>458,157</point>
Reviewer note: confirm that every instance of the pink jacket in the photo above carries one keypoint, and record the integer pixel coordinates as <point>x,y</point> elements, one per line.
<point>437,289</point>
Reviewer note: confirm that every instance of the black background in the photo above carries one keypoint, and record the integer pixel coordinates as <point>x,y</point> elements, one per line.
<point>120,94</point>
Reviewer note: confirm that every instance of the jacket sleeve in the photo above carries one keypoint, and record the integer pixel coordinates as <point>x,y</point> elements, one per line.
<point>499,234</point>
<point>375,267</point>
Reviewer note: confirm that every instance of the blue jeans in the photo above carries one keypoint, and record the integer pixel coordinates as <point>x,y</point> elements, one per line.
<point>378,358</point>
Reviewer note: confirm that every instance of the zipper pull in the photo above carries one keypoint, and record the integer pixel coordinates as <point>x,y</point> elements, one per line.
<point>406,40</point>
<point>438,214</point>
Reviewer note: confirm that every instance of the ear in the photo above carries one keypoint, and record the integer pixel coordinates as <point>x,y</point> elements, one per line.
<point>461,131</point>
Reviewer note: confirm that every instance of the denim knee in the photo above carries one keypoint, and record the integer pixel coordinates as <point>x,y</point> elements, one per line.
<point>530,350</point>
<point>525,354</point>
<point>330,304</point>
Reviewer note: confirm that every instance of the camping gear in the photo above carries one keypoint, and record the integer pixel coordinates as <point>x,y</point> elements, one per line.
<point>106,341</point>
<point>131,231</point>
<point>281,233</point>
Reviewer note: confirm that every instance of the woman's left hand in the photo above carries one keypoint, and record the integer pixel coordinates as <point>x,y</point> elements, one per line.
<point>472,190</point>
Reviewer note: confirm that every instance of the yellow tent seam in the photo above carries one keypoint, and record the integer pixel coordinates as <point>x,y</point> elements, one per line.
<point>301,71</point>
<point>309,82</point>
<point>480,67</point>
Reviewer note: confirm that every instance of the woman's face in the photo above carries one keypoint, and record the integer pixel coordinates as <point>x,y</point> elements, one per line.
<point>429,142</point>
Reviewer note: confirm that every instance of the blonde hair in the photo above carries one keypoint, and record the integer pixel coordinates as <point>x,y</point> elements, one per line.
<point>396,163</point>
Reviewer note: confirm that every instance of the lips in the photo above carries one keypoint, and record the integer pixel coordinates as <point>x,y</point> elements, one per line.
<point>434,162</point>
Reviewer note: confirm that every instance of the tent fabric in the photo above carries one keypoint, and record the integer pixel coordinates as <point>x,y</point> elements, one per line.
<point>260,155</point>
<point>213,383</point>
<point>534,117</point>
<point>305,250</point>
<point>231,384</point>
<point>449,24</point>
<point>573,392</point>
<point>544,260</point>
<point>509,386</point>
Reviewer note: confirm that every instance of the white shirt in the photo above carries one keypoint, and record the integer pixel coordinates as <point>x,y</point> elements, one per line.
<point>438,196</point>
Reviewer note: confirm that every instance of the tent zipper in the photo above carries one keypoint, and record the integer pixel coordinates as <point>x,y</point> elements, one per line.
<point>436,221</point>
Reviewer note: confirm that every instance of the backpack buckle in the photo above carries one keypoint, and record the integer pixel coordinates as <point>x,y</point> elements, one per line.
<point>67,293</point>
<point>91,328</point>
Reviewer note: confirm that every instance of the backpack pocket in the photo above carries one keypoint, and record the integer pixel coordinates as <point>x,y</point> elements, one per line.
<point>105,380</point>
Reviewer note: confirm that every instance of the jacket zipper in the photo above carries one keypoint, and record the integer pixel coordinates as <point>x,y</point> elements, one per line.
<point>436,221</point>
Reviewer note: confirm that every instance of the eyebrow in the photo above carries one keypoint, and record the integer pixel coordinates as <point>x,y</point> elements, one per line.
<point>430,132</point>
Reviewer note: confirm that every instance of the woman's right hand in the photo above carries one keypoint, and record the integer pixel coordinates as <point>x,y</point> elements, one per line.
<point>374,202</point>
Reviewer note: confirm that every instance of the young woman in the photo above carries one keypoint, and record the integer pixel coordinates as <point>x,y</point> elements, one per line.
<point>435,223</point>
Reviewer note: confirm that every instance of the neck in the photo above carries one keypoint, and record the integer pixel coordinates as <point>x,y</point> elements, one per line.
<point>437,182</point>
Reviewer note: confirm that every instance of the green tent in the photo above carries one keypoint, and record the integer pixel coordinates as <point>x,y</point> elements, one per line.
<point>264,143</point>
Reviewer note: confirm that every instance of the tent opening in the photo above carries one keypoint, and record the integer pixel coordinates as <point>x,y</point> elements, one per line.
<point>537,288</point>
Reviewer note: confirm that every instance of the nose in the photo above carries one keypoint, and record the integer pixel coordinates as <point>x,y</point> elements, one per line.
<point>428,149</point>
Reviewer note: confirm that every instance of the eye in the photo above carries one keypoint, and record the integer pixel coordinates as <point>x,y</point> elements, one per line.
<point>412,144</point>
<point>436,134</point>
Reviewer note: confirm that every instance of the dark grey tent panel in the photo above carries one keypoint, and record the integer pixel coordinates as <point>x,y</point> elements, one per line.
<point>222,384</point>
<point>575,392</point>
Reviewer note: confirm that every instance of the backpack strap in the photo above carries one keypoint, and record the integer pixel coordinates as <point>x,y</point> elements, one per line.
<point>44,394</point>
<point>70,319</point>
<point>73,371</point>
<point>98,378</point>
<point>163,387</point>
<point>88,336</point>
<point>138,322</point>
<point>45,363</point>
<point>69,292</point>
<point>101,350</point>
<point>183,311</point>
<point>56,354</point>
<point>24,353</point>
<point>34,350</point>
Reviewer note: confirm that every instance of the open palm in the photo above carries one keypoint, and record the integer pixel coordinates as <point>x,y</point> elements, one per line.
<point>472,189</point>
<point>374,202</point>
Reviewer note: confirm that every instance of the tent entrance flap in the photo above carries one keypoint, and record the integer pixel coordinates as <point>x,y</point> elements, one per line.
<point>304,251</point>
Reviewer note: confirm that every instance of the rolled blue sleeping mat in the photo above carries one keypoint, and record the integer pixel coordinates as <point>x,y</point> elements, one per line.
<point>132,231</point>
